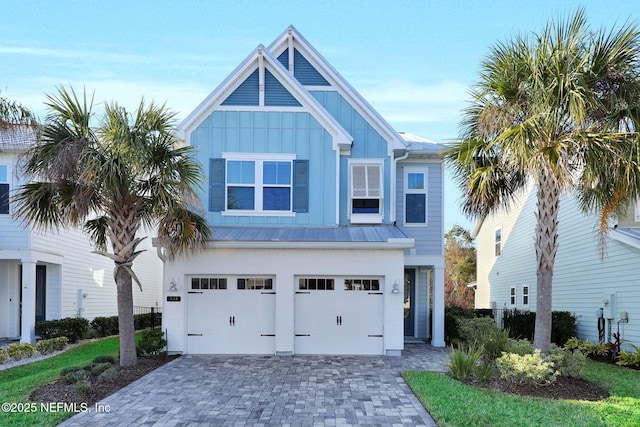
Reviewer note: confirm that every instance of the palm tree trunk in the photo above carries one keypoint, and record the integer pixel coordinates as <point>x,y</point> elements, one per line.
<point>546,248</point>
<point>125,319</point>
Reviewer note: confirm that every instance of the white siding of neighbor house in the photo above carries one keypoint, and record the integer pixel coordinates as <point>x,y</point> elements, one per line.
<point>485,248</point>
<point>583,275</point>
<point>93,275</point>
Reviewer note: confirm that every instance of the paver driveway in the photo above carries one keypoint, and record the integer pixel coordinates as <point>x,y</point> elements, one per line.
<point>272,390</point>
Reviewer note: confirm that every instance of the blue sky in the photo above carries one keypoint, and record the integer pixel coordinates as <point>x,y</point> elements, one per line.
<point>412,60</point>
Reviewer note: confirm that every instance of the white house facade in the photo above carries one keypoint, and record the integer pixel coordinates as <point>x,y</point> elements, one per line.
<point>53,275</point>
<point>327,223</point>
<point>590,279</point>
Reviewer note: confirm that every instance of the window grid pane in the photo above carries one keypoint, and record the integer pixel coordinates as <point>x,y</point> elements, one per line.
<point>361,285</point>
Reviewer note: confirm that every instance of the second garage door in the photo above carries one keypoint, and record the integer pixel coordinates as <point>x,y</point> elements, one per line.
<point>338,315</point>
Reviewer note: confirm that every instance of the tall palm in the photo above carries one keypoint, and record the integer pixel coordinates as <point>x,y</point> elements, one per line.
<point>13,113</point>
<point>112,180</point>
<point>557,110</point>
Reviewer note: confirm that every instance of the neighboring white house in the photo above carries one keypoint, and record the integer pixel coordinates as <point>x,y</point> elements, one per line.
<point>46,276</point>
<point>327,223</point>
<point>585,279</point>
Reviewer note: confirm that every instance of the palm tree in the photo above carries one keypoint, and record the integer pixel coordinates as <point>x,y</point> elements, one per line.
<point>12,113</point>
<point>112,180</point>
<point>559,111</point>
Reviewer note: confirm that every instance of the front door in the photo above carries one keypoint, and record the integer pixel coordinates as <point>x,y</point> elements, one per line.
<point>41,292</point>
<point>409,302</point>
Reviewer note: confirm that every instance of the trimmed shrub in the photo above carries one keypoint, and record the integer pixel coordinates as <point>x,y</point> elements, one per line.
<point>99,368</point>
<point>74,328</point>
<point>521,325</point>
<point>4,356</point>
<point>51,345</point>
<point>472,330</point>
<point>75,376</point>
<point>563,326</point>
<point>629,358</point>
<point>104,359</point>
<point>451,315</point>
<point>568,363</point>
<point>105,326</point>
<point>152,342</point>
<point>527,369</point>
<point>20,351</point>
<point>69,369</point>
<point>147,320</point>
<point>520,347</point>
<point>108,375</point>
<point>81,387</point>
<point>485,371</point>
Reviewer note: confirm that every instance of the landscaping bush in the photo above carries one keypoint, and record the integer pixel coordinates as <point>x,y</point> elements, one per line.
<point>451,315</point>
<point>4,356</point>
<point>629,358</point>
<point>81,387</point>
<point>563,327</point>
<point>74,328</point>
<point>152,342</point>
<point>587,347</point>
<point>568,363</point>
<point>21,351</point>
<point>520,347</point>
<point>75,376</point>
<point>147,320</point>
<point>104,359</point>
<point>485,371</point>
<point>108,375</point>
<point>462,363</point>
<point>472,330</point>
<point>99,368</point>
<point>527,369</point>
<point>51,345</point>
<point>69,369</point>
<point>105,326</point>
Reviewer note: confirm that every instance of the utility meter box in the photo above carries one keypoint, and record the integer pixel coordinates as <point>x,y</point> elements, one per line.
<point>608,303</point>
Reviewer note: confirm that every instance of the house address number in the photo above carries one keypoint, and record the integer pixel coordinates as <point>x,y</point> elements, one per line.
<point>173,299</point>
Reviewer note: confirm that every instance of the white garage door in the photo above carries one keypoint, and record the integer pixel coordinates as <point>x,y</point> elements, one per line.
<point>338,316</point>
<point>231,315</point>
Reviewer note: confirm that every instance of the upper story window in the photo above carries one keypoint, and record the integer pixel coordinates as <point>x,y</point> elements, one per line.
<point>525,295</point>
<point>251,184</point>
<point>512,296</point>
<point>366,191</point>
<point>498,242</point>
<point>4,189</point>
<point>415,188</point>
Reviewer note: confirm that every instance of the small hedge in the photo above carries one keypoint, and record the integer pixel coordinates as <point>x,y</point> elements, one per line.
<point>105,326</point>
<point>51,345</point>
<point>74,328</point>
<point>20,351</point>
<point>521,325</point>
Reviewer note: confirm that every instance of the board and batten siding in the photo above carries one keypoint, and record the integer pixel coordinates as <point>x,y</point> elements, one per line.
<point>272,132</point>
<point>428,237</point>
<point>583,275</point>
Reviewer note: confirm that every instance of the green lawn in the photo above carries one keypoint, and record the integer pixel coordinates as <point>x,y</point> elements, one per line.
<point>452,403</point>
<point>16,384</point>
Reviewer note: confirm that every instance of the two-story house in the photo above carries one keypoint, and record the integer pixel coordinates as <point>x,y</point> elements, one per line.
<point>327,224</point>
<point>592,278</point>
<point>52,275</point>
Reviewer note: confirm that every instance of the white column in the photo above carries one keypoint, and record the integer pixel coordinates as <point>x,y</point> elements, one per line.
<point>28,331</point>
<point>437,337</point>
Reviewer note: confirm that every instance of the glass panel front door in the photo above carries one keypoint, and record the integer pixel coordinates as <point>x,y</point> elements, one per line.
<point>409,302</point>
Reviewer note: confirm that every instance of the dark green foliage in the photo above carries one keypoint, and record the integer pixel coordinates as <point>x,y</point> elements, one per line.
<point>69,369</point>
<point>452,313</point>
<point>147,320</point>
<point>104,359</point>
<point>152,342</point>
<point>521,324</point>
<point>105,326</point>
<point>74,328</point>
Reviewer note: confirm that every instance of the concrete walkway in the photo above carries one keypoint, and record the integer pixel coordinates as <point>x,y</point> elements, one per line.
<point>272,391</point>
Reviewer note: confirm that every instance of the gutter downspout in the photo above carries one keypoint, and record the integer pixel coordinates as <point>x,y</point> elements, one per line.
<point>394,202</point>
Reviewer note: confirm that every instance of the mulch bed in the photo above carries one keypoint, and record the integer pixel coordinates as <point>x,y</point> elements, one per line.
<point>564,388</point>
<point>58,391</point>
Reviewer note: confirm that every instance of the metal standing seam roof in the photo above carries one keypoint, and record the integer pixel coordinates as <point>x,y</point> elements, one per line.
<point>376,233</point>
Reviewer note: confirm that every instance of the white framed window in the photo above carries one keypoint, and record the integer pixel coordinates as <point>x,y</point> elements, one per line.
<point>498,241</point>
<point>512,296</point>
<point>5,188</point>
<point>255,283</point>
<point>259,183</point>
<point>362,284</point>
<point>525,295</point>
<point>316,284</point>
<point>366,191</point>
<point>208,283</point>
<point>415,196</point>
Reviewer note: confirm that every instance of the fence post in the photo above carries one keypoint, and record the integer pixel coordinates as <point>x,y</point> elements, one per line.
<point>153,318</point>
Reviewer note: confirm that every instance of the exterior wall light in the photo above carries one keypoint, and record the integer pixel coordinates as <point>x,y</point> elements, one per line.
<point>396,288</point>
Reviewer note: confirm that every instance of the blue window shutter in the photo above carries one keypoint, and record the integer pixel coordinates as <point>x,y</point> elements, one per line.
<point>4,198</point>
<point>301,186</point>
<point>216,185</point>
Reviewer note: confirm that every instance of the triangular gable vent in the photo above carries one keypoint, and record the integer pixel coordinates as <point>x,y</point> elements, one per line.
<point>306,74</point>
<point>248,92</point>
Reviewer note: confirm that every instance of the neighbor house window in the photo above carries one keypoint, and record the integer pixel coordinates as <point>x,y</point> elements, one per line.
<point>366,191</point>
<point>498,242</point>
<point>4,189</point>
<point>525,296</point>
<point>415,189</point>
<point>512,296</point>
<point>242,183</point>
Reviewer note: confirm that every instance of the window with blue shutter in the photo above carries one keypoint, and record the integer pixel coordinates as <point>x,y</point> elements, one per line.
<point>216,185</point>
<point>301,186</point>
<point>4,189</point>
